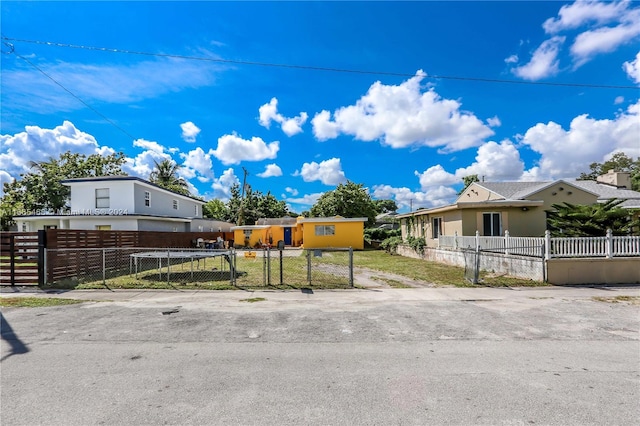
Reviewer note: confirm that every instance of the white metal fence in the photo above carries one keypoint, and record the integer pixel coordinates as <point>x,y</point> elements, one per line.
<point>607,246</point>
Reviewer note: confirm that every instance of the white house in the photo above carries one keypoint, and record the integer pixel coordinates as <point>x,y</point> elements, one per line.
<point>123,203</point>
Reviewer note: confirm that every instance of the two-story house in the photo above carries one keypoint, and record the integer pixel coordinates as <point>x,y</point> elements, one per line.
<point>124,203</point>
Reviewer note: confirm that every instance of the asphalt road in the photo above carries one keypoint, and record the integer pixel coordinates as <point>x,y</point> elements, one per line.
<point>550,356</point>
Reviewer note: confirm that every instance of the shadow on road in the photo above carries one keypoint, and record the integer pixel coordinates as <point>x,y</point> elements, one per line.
<point>17,346</point>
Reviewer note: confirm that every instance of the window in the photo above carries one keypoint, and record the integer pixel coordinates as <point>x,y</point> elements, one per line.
<point>50,227</point>
<point>147,198</point>
<point>175,204</point>
<point>102,198</point>
<point>491,224</point>
<point>103,227</point>
<point>247,234</point>
<point>436,227</point>
<point>325,230</point>
<point>195,210</point>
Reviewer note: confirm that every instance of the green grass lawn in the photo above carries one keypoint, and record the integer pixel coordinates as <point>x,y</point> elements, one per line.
<point>36,302</point>
<point>329,271</point>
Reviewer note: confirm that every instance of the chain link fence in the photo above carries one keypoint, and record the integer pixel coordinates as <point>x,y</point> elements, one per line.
<point>504,261</point>
<point>198,268</point>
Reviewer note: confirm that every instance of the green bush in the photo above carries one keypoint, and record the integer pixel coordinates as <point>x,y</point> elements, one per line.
<point>417,244</point>
<point>390,244</point>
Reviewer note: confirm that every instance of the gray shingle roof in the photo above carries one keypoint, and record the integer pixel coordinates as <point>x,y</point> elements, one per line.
<point>511,190</point>
<point>520,190</point>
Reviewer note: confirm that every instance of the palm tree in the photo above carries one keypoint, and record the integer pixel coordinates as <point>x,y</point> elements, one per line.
<point>571,220</point>
<point>166,176</point>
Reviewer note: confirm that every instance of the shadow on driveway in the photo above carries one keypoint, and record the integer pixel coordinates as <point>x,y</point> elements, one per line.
<point>17,346</point>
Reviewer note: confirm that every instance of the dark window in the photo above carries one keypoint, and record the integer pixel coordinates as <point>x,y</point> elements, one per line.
<point>436,227</point>
<point>491,224</point>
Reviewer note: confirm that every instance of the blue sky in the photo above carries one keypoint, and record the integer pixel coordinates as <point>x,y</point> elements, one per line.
<point>405,128</point>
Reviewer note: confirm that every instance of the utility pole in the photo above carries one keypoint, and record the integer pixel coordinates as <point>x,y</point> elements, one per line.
<point>244,184</point>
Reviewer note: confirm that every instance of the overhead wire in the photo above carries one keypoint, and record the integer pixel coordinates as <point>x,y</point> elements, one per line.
<point>319,68</point>
<point>104,117</point>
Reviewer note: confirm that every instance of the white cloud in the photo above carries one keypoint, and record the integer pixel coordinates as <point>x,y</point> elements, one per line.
<point>197,163</point>
<point>632,68</point>
<point>143,164</point>
<point>28,89</point>
<point>435,176</point>
<point>405,198</point>
<point>290,126</point>
<point>38,144</point>
<point>323,127</point>
<point>291,191</point>
<point>567,153</point>
<point>544,61</point>
<point>271,170</point>
<point>582,12</point>
<point>232,149</point>
<point>328,172</point>
<point>604,39</point>
<point>513,59</point>
<point>306,200</point>
<point>618,100</point>
<point>495,162</point>
<point>189,131</point>
<point>494,122</point>
<point>222,186</point>
<point>403,116</point>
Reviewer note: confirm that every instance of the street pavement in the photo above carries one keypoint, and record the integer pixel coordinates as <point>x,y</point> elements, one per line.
<point>456,356</point>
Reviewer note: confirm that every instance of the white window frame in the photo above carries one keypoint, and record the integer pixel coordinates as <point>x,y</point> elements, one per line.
<point>176,206</point>
<point>195,209</point>
<point>492,232</point>
<point>147,199</point>
<point>436,230</point>
<point>325,230</point>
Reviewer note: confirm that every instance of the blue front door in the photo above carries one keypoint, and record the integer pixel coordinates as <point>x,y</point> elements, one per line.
<point>287,236</point>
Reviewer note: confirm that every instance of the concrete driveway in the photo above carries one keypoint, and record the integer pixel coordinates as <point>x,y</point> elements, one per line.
<point>557,356</point>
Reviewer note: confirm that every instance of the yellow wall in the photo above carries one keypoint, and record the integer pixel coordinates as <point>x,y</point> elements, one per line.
<point>347,234</point>
<point>257,235</point>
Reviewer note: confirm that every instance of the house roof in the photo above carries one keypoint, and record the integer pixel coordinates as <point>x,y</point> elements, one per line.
<point>512,190</point>
<point>608,192</point>
<point>332,219</point>
<point>126,178</point>
<point>282,221</point>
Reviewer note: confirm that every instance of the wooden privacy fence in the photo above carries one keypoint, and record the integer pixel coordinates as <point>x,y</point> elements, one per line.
<point>21,258</point>
<point>67,255</point>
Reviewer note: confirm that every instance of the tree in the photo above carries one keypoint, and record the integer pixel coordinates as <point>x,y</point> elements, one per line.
<point>166,176</point>
<point>618,162</point>
<point>253,206</point>
<point>468,180</point>
<point>215,209</point>
<point>385,206</point>
<point>41,190</point>
<point>571,220</point>
<point>347,200</point>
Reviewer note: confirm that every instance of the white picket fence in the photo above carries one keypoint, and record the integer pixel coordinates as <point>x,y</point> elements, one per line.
<point>607,246</point>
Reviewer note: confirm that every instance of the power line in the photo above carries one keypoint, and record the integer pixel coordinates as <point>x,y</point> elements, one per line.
<point>317,68</point>
<point>104,117</point>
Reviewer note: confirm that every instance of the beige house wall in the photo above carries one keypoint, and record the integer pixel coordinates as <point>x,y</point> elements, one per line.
<point>561,192</point>
<point>620,270</point>
<point>475,193</point>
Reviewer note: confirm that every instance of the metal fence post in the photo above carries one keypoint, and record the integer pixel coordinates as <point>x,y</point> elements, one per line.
<point>42,248</point>
<point>268,266</point>
<point>351,267</point>
<point>477,240</point>
<point>609,244</point>
<point>104,267</point>
<point>309,267</point>
<point>281,268</point>
<point>168,265</point>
